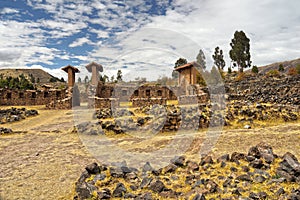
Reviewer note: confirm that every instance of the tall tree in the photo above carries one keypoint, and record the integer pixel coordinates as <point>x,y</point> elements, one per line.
<point>201,59</point>
<point>219,58</point>
<point>119,75</point>
<point>180,62</point>
<point>240,52</point>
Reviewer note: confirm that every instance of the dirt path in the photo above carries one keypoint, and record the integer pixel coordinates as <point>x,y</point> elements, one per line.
<point>43,162</point>
<point>46,159</point>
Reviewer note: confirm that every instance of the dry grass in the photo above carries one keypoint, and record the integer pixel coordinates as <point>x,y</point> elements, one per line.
<point>46,159</point>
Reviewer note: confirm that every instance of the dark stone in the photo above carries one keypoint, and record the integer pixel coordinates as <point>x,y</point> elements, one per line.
<point>259,179</point>
<point>147,167</point>
<point>211,186</point>
<point>116,172</point>
<point>120,190</point>
<point>233,169</point>
<point>145,182</point>
<point>99,177</point>
<point>170,168</point>
<point>129,196</point>
<point>244,177</point>
<point>93,168</point>
<point>192,165</point>
<point>199,197</point>
<point>223,164</point>
<point>235,157</point>
<point>206,160</point>
<point>178,161</point>
<point>257,163</point>
<point>280,191</point>
<point>146,196</point>
<point>104,194</point>
<point>157,186</point>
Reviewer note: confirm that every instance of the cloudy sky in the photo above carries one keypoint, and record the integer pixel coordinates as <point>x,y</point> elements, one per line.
<point>142,37</point>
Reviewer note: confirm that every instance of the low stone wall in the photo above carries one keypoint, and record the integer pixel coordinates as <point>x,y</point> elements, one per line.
<point>60,104</point>
<point>138,102</point>
<point>193,99</point>
<point>96,102</point>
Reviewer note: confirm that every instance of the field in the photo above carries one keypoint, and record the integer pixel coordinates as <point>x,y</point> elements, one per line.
<point>44,157</point>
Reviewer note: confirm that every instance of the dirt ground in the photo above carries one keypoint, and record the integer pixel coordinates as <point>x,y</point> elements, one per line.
<point>44,158</point>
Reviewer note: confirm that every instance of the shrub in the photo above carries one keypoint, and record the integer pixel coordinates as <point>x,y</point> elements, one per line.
<point>292,71</point>
<point>298,68</point>
<point>229,70</point>
<point>280,68</point>
<point>273,73</point>
<point>255,69</point>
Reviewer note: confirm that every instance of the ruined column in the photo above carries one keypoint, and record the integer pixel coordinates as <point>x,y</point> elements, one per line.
<point>71,74</point>
<point>94,68</point>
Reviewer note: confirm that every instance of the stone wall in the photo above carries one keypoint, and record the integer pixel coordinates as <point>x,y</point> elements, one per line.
<point>60,104</point>
<point>127,92</point>
<point>96,102</point>
<point>138,102</point>
<point>29,97</point>
<point>263,89</point>
<point>193,99</point>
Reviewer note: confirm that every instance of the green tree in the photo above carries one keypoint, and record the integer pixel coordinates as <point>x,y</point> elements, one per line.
<point>112,78</point>
<point>219,58</point>
<point>281,68</point>
<point>79,80</point>
<point>175,74</point>
<point>229,70</point>
<point>62,79</point>
<point>201,59</point>
<point>180,62</point>
<point>255,69</point>
<point>119,75</point>
<point>240,52</point>
<point>38,80</point>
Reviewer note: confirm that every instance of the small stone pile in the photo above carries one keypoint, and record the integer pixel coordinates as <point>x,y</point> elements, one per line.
<point>4,131</point>
<point>15,114</point>
<point>259,174</point>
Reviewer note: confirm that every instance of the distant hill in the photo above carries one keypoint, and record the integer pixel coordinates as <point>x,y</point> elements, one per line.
<point>36,73</point>
<point>286,64</point>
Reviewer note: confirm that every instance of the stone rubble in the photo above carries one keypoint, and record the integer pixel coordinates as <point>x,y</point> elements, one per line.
<point>228,177</point>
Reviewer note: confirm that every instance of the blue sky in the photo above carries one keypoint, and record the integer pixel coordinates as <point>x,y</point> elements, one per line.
<point>142,38</point>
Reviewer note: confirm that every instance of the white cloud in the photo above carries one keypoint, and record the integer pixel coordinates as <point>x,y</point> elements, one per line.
<point>80,42</point>
<point>8,11</point>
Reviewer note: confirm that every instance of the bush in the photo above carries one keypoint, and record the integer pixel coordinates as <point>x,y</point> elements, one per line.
<point>298,68</point>
<point>292,71</point>
<point>255,69</point>
<point>273,73</point>
<point>229,70</point>
<point>280,68</point>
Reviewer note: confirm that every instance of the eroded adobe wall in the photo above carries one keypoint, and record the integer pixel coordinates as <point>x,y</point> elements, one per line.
<point>30,97</point>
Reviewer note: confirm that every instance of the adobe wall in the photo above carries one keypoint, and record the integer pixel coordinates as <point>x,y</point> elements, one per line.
<point>29,97</point>
<point>125,93</point>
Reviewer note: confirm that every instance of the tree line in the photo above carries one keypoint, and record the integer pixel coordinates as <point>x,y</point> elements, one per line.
<point>20,82</point>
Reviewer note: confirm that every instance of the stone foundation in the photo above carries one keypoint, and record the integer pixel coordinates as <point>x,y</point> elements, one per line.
<point>193,99</point>
<point>60,104</point>
<point>96,102</point>
<point>138,102</point>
